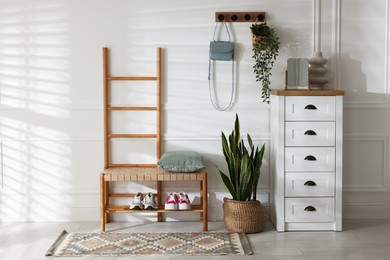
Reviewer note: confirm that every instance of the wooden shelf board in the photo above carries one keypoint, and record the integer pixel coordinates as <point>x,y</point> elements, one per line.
<point>126,209</point>
<point>306,92</point>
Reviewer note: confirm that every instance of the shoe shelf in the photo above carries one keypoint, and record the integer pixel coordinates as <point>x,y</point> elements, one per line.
<point>125,209</point>
<point>132,174</point>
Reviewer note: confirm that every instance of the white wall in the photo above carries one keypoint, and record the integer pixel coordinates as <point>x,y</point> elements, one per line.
<point>363,72</point>
<point>51,124</point>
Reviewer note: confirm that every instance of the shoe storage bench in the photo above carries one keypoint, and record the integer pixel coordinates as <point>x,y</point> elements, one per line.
<point>132,174</point>
<point>138,172</point>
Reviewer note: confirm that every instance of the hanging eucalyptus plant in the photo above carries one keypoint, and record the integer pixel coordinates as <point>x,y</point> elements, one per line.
<point>265,50</point>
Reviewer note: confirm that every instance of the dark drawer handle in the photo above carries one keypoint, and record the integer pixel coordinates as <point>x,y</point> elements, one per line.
<point>310,183</point>
<point>311,107</point>
<point>310,132</point>
<point>310,208</point>
<point>310,158</point>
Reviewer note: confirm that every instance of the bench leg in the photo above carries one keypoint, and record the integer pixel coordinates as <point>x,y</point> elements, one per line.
<point>103,215</point>
<point>106,198</point>
<point>159,200</point>
<point>204,202</point>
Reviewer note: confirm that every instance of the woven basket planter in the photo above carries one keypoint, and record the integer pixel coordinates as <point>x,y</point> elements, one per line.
<point>244,216</point>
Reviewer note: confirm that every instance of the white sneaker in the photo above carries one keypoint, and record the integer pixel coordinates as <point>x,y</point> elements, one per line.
<point>171,201</point>
<point>137,202</point>
<point>149,202</point>
<point>184,201</point>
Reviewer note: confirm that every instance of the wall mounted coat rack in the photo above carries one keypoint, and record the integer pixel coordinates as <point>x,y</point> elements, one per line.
<point>240,17</point>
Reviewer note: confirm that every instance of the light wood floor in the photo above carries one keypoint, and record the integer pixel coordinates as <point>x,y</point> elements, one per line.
<point>361,239</point>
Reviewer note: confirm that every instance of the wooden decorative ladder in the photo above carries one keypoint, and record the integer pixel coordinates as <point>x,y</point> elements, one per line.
<point>107,108</point>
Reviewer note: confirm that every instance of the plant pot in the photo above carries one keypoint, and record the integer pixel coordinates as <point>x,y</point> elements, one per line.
<point>258,42</point>
<point>244,216</point>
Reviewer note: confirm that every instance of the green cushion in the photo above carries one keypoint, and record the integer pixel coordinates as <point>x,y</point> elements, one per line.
<point>181,161</point>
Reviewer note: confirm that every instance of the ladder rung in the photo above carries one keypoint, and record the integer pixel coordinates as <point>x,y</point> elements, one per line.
<point>122,195</point>
<point>137,165</point>
<point>132,135</point>
<point>133,108</point>
<point>132,78</point>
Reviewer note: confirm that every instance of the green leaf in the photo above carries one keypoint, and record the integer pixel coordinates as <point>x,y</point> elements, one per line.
<point>237,130</point>
<point>249,140</point>
<point>256,169</point>
<point>245,179</point>
<point>228,185</point>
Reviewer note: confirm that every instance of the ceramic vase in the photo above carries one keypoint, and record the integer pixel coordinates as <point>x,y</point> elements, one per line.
<point>317,71</point>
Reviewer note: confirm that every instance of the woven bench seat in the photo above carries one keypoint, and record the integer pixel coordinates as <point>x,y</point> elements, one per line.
<point>149,174</point>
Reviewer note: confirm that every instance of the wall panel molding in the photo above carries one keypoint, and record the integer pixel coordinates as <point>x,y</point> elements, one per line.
<point>387,48</point>
<point>165,137</point>
<point>384,141</point>
<point>383,100</point>
<point>209,107</point>
<point>56,191</point>
<point>366,211</point>
<point>384,104</point>
<point>211,138</point>
<point>336,43</point>
<point>98,107</point>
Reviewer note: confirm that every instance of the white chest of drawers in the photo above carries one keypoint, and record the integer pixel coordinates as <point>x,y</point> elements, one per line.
<point>306,159</point>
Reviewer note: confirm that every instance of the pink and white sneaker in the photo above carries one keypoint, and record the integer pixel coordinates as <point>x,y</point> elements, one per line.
<point>184,201</point>
<point>171,203</point>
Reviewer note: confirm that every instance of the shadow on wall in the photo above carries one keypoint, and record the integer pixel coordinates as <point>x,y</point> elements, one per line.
<point>295,42</point>
<point>355,81</point>
<point>34,85</point>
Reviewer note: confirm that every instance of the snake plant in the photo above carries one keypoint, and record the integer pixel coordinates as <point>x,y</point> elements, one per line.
<point>243,165</point>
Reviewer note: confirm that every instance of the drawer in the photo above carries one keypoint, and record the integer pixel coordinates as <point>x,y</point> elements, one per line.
<point>309,184</point>
<point>310,108</point>
<point>318,159</point>
<point>310,134</point>
<point>309,209</point>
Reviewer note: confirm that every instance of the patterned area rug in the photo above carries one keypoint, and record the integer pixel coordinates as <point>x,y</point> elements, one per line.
<point>151,244</point>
